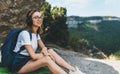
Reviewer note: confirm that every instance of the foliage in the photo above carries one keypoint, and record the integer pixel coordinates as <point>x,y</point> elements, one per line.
<point>54,25</point>
<point>117,54</point>
<point>46,8</point>
<point>83,44</point>
<point>75,42</point>
<point>104,35</point>
<point>59,28</point>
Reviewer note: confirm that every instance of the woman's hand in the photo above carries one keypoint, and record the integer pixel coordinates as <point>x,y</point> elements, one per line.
<point>44,51</point>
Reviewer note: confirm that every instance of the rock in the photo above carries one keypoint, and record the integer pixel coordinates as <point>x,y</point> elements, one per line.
<point>89,65</point>
<point>13,13</point>
<point>99,55</point>
<point>12,10</point>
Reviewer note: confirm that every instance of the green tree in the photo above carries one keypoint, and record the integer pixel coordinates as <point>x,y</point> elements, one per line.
<point>46,8</point>
<point>74,42</point>
<point>83,44</point>
<point>54,25</point>
<point>58,30</point>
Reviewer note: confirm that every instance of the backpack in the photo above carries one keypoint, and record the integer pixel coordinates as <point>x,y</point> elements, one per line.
<point>8,46</point>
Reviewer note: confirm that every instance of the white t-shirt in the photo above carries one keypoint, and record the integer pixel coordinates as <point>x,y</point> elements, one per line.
<point>24,39</point>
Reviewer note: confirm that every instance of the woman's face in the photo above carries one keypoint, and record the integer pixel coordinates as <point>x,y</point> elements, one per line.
<point>37,19</point>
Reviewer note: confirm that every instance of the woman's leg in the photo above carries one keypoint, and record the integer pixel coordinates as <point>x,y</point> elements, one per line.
<point>59,60</point>
<point>43,61</point>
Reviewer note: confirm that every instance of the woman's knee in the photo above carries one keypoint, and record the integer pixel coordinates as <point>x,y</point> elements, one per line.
<point>51,51</point>
<point>47,59</point>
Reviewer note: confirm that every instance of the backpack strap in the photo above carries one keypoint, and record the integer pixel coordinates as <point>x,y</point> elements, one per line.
<point>30,34</point>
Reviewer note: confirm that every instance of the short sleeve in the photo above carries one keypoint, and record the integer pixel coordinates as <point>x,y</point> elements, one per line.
<point>25,38</point>
<point>38,37</point>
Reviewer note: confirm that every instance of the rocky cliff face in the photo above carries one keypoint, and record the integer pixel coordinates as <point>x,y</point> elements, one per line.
<point>12,12</point>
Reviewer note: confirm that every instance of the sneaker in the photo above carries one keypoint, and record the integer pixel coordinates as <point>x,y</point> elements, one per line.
<point>76,72</point>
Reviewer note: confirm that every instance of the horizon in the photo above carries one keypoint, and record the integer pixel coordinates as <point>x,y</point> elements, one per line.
<point>93,16</point>
<point>88,8</point>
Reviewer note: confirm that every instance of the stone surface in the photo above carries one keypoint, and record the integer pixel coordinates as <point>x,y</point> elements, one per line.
<point>89,65</point>
<point>13,12</point>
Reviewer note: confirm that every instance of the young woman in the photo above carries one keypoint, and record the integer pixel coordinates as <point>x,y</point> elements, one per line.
<point>29,60</point>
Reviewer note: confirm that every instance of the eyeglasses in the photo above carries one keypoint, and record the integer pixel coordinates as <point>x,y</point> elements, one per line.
<point>37,17</point>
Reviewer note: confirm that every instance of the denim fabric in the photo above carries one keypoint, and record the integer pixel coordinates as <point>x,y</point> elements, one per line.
<point>19,62</point>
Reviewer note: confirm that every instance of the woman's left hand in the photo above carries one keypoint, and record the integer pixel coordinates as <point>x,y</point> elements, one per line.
<point>44,51</point>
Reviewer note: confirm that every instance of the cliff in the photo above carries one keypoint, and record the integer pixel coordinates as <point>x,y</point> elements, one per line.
<point>12,12</point>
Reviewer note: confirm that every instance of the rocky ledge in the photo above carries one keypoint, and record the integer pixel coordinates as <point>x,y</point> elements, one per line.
<point>89,65</point>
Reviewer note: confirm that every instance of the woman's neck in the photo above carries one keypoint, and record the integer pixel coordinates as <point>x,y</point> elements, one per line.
<point>34,29</point>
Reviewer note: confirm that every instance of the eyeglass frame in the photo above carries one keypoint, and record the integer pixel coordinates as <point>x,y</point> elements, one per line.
<point>37,17</point>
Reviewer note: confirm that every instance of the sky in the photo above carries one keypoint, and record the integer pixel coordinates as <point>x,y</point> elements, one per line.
<point>89,7</point>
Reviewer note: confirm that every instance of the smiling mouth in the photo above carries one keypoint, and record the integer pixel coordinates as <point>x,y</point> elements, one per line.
<point>39,22</point>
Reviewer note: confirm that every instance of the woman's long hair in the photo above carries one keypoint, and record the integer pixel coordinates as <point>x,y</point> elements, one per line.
<point>29,22</point>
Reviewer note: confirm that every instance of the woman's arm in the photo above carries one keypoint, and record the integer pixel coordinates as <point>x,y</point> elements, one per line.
<point>41,44</point>
<point>44,49</point>
<point>31,52</point>
<point>26,41</point>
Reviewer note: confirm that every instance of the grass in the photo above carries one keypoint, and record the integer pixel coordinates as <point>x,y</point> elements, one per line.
<point>44,70</point>
<point>4,70</point>
<point>114,57</point>
<point>117,55</point>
